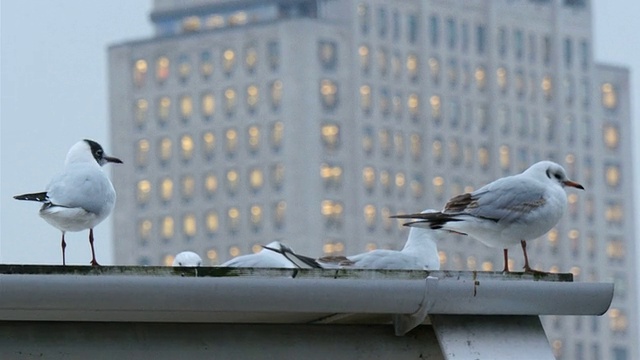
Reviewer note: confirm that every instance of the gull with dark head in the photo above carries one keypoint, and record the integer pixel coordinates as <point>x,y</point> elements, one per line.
<point>507,211</point>
<point>80,197</point>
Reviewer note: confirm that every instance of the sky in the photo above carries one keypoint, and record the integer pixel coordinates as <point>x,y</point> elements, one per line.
<point>53,92</point>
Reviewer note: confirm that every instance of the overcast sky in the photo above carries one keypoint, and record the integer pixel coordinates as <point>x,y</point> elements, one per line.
<point>54,92</point>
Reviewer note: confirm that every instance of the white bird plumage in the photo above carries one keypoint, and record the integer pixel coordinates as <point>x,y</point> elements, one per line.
<point>187,258</point>
<point>81,196</point>
<point>271,256</point>
<point>507,211</point>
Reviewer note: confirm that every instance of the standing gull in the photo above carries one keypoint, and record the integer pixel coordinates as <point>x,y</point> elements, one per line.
<point>507,211</point>
<point>81,196</point>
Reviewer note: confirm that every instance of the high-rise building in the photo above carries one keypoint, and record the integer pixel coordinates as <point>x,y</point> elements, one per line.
<point>312,121</point>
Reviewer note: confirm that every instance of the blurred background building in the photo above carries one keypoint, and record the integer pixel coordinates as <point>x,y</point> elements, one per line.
<point>312,121</point>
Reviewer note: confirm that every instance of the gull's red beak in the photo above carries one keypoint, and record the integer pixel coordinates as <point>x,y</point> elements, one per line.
<point>573,184</point>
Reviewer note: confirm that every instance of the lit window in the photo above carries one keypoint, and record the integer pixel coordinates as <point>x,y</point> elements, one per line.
<point>231,145</point>
<point>329,94</point>
<point>618,322</point>
<point>333,212</point>
<point>210,184</point>
<point>363,18</point>
<point>396,65</point>
<point>232,181</point>
<point>256,179</point>
<point>162,69</point>
<point>144,230</point>
<point>614,213</point>
<point>327,54</point>
<point>547,87</point>
<point>191,23</point>
<point>254,138</point>
<point>238,18</point>
<point>250,58</point>
<point>400,181</point>
<point>189,225</point>
<point>438,185</point>
<point>252,97</point>
<point>363,51</point>
<point>505,157</point>
<point>234,251</point>
<point>483,157</point>
<point>212,222</point>
<point>273,54</point>
<point>277,134</point>
<point>502,78</point>
<point>481,78</point>
<point>188,187</point>
<point>233,218</point>
<point>413,103</point>
<point>228,61</point>
<point>167,227</point>
<point>416,146</point>
<point>382,61</point>
<point>412,66</point>
<point>369,178</point>
<point>208,105</point>
<point>164,109</point>
<point>365,98</point>
<point>184,68</point>
<point>140,72</point>
<point>435,107</point>
<point>279,214</point>
<point>370,215</point>
<point>186,145</point>
<point>206,64</point>
<point>208,144</point>
<point>611,136</point>
<point>165,150</point>
<point>434,69</point>
<point>143,191</point>
<point>166,189</point>
<point>141,109</point>
<point>230,101</point>
<point>142,152</point>
<point>276,94</point>
<point>330,136</point>
<point>331,175</point>
<point>277,176</point>
<point>436,150</point>
<point>609,96</point>
<point>256,216</point>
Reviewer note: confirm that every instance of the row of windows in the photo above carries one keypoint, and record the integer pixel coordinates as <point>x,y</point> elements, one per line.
<point>186,146</point>
<point>255,179</point>
<point>185,64</point>
<point>190,225</point>
<point>206,104</point>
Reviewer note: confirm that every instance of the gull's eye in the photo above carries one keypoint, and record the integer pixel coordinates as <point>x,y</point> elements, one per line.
<point>557,176</point>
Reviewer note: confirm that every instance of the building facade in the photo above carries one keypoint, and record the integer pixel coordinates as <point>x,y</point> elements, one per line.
<point>312,121</point>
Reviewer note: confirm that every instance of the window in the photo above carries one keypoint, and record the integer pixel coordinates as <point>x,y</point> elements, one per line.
<point>327,53</point>
<point>276,94</point>
<point>385,181</point>
<point>434,27</point>
<point>547,87</point>
<point>273,55</point>
<point>230,100</point>
<point>186,107</point>
<point>228,61</point>
<point>191,23</point>
<point>568,52</point>
<point>369,178</point>
<point>452,72</point>
<point>256,217</point>
<point>210,184</point>
<point>253,133</point>
<point>382,22</point>
<point>436,150</point>
<point>611,136</point>
<point>332,211</point>
<point>142,152</point>
<point>415,146</point>
<point>455,154</point>
<point>465,36</point>
<point>330,134</point>
<point>140,72</point>
<point>609,96</point>
<point>162,69</point>
<point>481,39</point>
<point>164,150</point>
<point>383,63</point>
<point>188,186</point>
<point>331,175</point>
<point>184,68</point>
<point>208,105</point>
<point>550,128</point>
<point>502,42</point>
<point>451,33</point>
<point>482,118</point>
<point>504,120</point>
<point>140,110</point>
<point>277,176</point>
<point>277,134</point>
<point>189,225</point>
<point>143,191</point>
<point>384,138</point>
<point>412,28</point>
<point>585,55</point>
<point>233,221</point>
<point>279,213</point>
<point>208,144</point>
<point>365,99</point>
<point>413,103</point>
<point>250,58</point>
<point>231,145</point>
<point>501,78</point>
<point>145,227</point>
<point>328,94</point>
<point>164,109</point>
<point>370,216</point>
<point>232,180</point>
<point>363,18</point>
<point>166,189</point>
<point>434,69</point>
<point>167,228</point>
<point>186,146</point>
<point>481,78</point>
<point>412,66</point>
<point>396,25</point>
<point>206,64</point>
<point>547,50</point>
<point>212,222</point>
<point>363,52</point>
<point>612,175</point>
<point>252,98</point>
<point>435,103</point>
<point>256,179</point>
<point>385,102</point>
<point>533,47</point>
<point>367,140</point>
<point>505,157</point>
<point>518,40</point>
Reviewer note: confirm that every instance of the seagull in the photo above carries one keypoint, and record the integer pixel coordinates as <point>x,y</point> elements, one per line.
<point>81,196</point>
<point>420,252</point>
<point>187,258</point>
<point>272,256</point>
<point>507,211</point>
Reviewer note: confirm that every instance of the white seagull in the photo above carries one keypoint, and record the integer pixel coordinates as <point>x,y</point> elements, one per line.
<point>507,211</point>
<point>420,252</point>
<point>187,258</point>
<point>81,196</point>
<point>272,256</point>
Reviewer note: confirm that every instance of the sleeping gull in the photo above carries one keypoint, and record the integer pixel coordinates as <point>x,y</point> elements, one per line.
<point>187,258</point>
<point>271,256</point>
